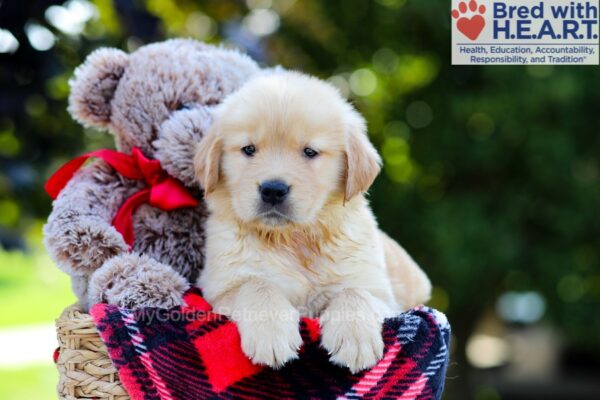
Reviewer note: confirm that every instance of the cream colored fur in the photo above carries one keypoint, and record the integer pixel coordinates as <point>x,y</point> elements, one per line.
<point>324,256</point>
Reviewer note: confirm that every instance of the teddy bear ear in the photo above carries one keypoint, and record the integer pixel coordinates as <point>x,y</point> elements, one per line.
<point>93,86</point>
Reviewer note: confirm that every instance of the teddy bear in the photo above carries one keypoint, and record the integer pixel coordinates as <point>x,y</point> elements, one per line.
<point>157,103</point>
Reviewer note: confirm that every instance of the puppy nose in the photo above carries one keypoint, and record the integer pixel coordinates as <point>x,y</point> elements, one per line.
<point>273,192</point>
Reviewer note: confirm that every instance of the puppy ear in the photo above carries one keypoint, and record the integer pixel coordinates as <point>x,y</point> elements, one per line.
<point>362,160</point>
<point>93,86</point>
<point>207,160</point>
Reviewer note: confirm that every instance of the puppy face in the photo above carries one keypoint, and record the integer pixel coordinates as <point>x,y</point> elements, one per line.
<point>283,147</point>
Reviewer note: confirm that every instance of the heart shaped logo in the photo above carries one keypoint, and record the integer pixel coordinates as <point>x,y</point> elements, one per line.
<point>471,27</point>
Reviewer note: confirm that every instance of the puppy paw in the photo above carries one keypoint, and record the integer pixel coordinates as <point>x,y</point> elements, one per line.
<point>273,342</point>
<point>356,344</point>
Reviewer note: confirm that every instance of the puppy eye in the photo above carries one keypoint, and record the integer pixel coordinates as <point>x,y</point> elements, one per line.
<point>249,150</point>
<point>310,153</point>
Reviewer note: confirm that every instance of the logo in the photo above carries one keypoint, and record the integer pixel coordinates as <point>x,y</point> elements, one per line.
<point>525,32</point>
<point>470,27</point>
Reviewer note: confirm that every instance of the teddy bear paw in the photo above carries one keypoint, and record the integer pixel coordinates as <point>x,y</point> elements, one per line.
<point>82,246</point>
<point>132,281</point>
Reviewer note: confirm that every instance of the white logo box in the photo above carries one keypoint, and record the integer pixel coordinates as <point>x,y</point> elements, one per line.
<point>525,32</point>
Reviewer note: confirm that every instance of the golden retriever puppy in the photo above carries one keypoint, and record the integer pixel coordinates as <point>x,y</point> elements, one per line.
<point>284,168</point>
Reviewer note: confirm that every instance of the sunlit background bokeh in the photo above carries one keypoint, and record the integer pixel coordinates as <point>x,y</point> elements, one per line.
<point>491,175</point>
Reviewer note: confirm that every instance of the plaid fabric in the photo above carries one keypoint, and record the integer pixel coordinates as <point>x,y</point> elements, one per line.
<point>190,353</point>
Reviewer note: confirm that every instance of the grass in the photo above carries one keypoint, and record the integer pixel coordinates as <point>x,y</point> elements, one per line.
<point>32,291</point>
<point>35,382</point>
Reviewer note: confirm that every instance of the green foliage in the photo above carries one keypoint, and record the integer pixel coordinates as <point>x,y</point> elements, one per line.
<point>491,176</point>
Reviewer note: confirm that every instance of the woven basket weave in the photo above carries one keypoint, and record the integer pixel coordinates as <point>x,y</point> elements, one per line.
<point>85,370</point>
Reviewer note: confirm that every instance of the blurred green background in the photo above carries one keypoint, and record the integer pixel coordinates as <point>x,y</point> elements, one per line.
<point>491,177</point>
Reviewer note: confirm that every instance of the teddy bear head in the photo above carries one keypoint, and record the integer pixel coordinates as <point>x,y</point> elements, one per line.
<point>158,98</point>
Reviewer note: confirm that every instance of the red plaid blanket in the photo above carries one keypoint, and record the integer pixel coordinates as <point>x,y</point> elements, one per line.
<point>189,352</point>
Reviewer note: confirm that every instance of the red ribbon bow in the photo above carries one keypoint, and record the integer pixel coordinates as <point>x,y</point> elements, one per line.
<point>162,191</point>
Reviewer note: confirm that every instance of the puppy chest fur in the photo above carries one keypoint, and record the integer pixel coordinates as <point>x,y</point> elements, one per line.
<point>309,265</point>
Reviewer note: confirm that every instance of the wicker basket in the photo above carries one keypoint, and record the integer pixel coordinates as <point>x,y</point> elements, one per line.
<point>85,370</point>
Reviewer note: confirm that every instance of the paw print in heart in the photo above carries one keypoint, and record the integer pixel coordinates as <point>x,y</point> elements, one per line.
<point>470,27</point>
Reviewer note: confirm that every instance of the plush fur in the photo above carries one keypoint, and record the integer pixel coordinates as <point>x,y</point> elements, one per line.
<point>320,252</point>
<point>115,281</point>
<point>158,99</point>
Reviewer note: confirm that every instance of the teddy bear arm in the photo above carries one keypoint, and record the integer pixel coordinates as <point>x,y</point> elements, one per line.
<point>133,280</point>
<point>79,235</point>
